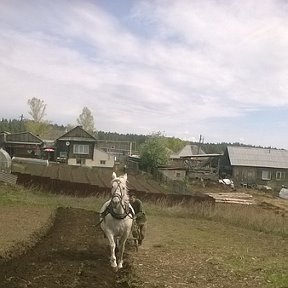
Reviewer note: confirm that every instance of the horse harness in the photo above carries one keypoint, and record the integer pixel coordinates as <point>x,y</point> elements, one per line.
<point>109,209</point>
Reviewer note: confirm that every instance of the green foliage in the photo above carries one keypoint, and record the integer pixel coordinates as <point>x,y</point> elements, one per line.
<point>28,197</point>
<point>12,126</point>
<point>154,152</point>
<point>175,144</point>
<point>37,128</point>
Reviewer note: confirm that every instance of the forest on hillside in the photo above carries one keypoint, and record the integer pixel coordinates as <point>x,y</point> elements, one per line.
<point>53,131</point>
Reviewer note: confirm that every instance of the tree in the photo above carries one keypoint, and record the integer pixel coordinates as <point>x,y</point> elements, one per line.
<point>37,109</point>
<point>86,120</point>
<point>154,152</point>
<point>37,125</point>
<point>175,144</point>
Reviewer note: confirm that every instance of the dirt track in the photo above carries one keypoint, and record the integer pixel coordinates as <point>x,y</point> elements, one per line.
<point>73,254</point>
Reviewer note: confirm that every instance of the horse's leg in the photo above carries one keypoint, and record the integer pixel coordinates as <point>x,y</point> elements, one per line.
<point>112,249</point>
<point>122,242</point>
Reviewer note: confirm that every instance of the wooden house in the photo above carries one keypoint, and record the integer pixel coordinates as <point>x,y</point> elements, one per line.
<point>255,166</point>
<point>78,147</point>
<point>196,163</point>
<point>173,173</point>
<point>23,144</point>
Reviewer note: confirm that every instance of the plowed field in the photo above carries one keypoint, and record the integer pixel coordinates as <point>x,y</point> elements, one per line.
<point>176,253</point>
<point>74,253</point>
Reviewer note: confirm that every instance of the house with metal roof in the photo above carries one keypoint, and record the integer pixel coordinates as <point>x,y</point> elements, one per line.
<point>255,166</point>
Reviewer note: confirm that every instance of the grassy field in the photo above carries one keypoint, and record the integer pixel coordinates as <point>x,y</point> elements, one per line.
<point>26,214</point>
<point>200,246</point>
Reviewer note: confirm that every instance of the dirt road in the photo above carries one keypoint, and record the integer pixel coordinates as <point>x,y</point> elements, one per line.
<point>73,254</point>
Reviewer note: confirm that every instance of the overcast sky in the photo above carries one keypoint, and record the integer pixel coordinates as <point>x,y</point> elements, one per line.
<point>211,67</point>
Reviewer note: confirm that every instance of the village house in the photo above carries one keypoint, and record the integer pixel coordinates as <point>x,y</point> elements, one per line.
<point>255,166</point>
<point>78,147</point>
<point>23,144</point>
<point>192,162</point>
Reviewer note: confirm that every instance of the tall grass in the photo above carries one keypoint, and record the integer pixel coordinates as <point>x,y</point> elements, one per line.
<point>248,217</point>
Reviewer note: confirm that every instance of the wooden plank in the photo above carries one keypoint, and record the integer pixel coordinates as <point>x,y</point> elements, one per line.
<point>231,195</point>
<point>233,198</point>
<point>235,201</point>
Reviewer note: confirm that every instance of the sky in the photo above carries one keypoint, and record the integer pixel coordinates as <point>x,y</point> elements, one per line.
<point>185,68</point>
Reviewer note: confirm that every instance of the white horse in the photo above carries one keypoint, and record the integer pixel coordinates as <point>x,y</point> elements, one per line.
<point>117,218</point>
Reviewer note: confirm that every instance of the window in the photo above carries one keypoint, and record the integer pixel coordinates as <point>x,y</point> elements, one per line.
<point>266,175</point>
<point>280,175</point>
<point>178,174</point>
<point>63,154</point>
<point>102,162</point>
<point>80,149</point>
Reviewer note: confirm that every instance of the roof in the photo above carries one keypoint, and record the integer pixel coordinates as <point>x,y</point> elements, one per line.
<point>258,157</point>
<point>207,155</point>
<point>23,138</point>
<point>188,151</point>
<point>77,134</point>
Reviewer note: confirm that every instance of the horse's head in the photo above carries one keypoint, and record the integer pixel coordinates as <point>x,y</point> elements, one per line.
<point>119,193</point>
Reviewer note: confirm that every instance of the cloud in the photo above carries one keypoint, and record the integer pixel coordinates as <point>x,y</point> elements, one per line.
<point>174,66</point>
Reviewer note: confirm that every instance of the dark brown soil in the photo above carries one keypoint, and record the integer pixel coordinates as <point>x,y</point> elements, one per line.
<point>74,253</point>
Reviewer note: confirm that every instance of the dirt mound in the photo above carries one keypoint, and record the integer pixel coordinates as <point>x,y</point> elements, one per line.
<point>74,253</point>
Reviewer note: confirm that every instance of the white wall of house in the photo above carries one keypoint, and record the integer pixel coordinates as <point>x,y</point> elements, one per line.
<point>103,159</point>
<point>100,159</point>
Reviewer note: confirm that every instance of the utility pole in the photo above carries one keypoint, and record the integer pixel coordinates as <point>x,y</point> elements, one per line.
<point>201,140</point>
<point>21,122</point>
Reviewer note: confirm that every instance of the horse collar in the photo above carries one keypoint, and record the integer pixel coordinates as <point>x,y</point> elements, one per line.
<point>110,210</point>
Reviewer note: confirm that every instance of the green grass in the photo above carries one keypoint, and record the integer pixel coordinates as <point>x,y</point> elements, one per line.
<point>248,217</point>
<point>17,195</point>
<point>214,249</point>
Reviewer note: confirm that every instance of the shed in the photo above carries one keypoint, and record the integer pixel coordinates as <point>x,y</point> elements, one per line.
<point>23,144</point>
<point>255,166</point>
<point>188,151</point>
<point>196,162</point>
<point>179,159</point>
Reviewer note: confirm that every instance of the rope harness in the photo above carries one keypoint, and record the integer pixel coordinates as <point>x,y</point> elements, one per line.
<point>125,206</point>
